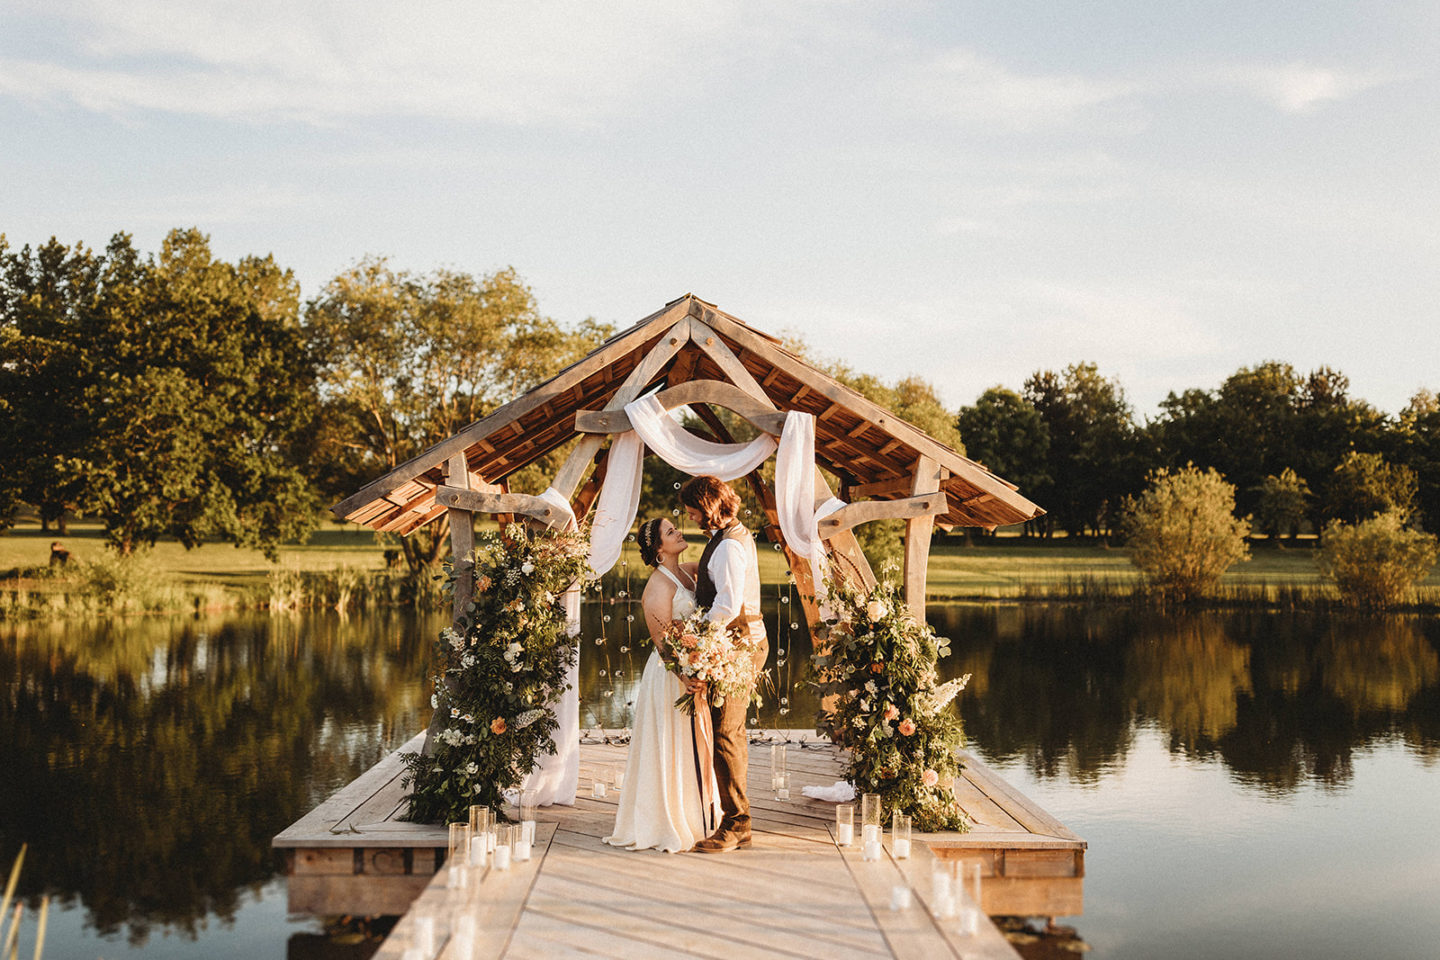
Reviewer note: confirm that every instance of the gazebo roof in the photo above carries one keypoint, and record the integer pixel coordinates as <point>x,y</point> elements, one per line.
<point>874,450</point>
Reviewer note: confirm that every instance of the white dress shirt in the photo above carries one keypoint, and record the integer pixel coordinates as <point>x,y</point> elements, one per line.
<point>735,571</point>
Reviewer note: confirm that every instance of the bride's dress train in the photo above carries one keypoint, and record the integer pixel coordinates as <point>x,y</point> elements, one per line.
<point>660,804</point>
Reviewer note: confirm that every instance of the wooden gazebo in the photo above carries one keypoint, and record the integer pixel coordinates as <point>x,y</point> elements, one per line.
<point>699,357</point>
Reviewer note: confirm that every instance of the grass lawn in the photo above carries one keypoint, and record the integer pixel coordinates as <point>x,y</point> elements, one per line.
<point>1009,568</point>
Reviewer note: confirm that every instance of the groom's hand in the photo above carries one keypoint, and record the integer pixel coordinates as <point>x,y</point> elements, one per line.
<point>694,686</point>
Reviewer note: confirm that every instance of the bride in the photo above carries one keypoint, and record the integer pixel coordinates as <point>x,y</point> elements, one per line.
<point>669,800</point>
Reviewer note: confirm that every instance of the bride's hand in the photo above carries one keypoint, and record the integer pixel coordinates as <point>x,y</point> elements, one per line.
<point>694,686</point>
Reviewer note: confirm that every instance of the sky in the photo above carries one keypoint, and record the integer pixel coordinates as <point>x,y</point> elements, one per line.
<point>967,192</point>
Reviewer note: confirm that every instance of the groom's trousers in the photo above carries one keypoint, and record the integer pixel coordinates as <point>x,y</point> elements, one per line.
<point>732,756</point>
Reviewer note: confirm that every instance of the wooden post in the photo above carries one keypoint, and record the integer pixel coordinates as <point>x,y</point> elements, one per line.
<point>462,537</point>
<point>917,537</point>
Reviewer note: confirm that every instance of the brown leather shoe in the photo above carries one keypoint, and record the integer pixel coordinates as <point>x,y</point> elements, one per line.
<point>724,841</point>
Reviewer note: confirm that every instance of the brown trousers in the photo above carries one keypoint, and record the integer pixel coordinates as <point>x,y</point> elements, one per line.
<point>732,759</point>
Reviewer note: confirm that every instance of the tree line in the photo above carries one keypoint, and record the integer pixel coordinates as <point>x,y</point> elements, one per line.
<point>177,395</point>
<point>1299,449</point>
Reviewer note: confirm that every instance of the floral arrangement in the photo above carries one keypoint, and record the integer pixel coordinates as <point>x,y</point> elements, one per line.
<point>702,650</point>
<point>874,670</point>
<point>498,670</point>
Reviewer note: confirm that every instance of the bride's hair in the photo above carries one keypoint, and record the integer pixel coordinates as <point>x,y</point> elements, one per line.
<point>649,540</point>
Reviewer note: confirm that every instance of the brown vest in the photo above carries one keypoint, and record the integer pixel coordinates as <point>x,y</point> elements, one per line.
<point>705,585</point>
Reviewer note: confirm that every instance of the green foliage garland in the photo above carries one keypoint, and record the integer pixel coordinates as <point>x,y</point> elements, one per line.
<point>499,669</point>
<point>876,664</point>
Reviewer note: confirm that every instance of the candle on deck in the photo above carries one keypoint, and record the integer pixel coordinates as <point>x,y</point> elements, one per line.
<point>872,850</point>
<point>900,897</point>
<point>845,824</point>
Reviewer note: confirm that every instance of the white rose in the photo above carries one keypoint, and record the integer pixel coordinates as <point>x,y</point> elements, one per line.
<point>876,610</point>
<point>471,769</point>
<point>527,568</point>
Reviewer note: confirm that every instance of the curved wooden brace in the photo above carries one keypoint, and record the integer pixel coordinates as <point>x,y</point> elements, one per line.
<point>718,392</point>
<point>855,514</point>
<point>524,504</point>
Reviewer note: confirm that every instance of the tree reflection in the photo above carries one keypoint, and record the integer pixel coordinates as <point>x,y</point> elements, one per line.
<point>1187,674</point>
<point>1282,699</point>
<point>150,763</point>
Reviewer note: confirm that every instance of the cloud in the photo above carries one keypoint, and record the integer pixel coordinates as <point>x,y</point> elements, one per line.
<point>320,61</point>
<point>963,85</point>
<point>1299,88</point>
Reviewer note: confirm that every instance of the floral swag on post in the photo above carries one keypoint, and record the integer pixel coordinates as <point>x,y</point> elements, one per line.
<point>503,664</point>
<point>876,666</point>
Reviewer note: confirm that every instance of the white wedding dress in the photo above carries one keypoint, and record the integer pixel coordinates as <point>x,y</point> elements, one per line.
<point>660,804</point>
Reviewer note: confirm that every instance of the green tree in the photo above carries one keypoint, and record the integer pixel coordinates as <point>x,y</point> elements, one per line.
<point>163,395</point>
<point>1363,485</point>
<point>1282,503</point>
<point>1376,562</point>
<point>1183,532</point>
<point>408,359</point>
<point>1095,456</point>
<point>1004,431</point>
<point>1418,448</point>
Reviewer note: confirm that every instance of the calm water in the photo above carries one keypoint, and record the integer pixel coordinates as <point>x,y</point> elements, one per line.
<point>1250,784</point>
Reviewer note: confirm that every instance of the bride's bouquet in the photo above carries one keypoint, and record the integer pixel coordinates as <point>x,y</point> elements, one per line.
<point>706,651</point>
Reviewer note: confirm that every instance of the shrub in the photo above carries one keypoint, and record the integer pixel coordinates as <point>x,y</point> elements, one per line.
<point>1376,562</point>
<point>1183,532</point>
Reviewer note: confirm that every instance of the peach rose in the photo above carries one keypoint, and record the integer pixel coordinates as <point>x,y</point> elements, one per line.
<point>907,727</point>
<point>482,584</point>
<point>891,711</point>
<point>878,667</point>
<point>929,778</point>
<point>497,726</point>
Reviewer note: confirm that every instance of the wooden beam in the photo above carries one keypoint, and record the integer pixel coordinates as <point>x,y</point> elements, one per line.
<point>927,478</point>
<point>763,416</point>
<point>462,536</point>
<point>891,487</point>
<point>709,341</point>
<point>847,518</point>
<point>473,501</point>
<point>658,323</point>
<point>572,471</point>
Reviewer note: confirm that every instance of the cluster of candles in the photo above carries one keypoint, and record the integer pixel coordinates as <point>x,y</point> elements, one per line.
<point>477,844</point>
<point>954,884</point>
<point>871,833</point>
<point>608,776</point>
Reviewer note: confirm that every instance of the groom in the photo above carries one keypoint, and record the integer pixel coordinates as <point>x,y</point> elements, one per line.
<point>728,584</point>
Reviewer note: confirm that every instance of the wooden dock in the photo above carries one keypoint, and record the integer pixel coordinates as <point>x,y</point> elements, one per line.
<point>793,894</point>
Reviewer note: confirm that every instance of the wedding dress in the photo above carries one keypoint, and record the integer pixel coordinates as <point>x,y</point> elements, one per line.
<point>660,804</point>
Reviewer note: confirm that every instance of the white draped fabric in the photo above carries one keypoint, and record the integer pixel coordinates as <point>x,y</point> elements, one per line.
<point>557,777</point>
<point>684,451</point>
<point>795,495</point>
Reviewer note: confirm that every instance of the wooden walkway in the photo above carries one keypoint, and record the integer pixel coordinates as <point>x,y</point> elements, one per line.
<point>794,894</point>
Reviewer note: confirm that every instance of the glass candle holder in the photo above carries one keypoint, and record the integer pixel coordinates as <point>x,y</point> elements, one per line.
<point>900,897</point>
<point>778,769</point>
<point>481,818</point>
<point>845,824</point>
<point>942,889</point>
<point>459,846</point>
<point>781,782</point>
<point>598,785</point>
<point>528,808</point>
<point>504,847</point>
<point>870,817</point>
<point>617,776</point>
<point>900,836</point>
<point>969,909</point>
<point>479,849</point>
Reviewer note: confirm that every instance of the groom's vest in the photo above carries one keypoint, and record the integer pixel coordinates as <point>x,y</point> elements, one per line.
<point>705,585</point>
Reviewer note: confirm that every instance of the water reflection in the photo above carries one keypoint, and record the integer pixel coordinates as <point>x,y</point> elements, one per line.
<point>148,763</point>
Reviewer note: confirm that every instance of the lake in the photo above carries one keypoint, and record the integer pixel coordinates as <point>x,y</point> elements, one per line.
<point>1250,784</point>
